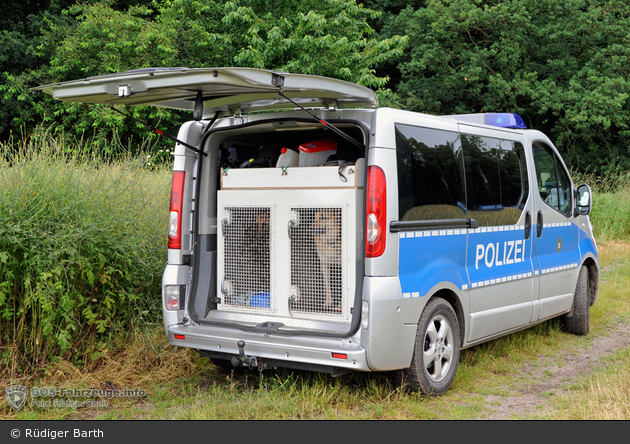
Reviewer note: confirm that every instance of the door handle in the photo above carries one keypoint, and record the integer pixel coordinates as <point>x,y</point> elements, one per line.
<point>528,224</point>
<point>539,224</point>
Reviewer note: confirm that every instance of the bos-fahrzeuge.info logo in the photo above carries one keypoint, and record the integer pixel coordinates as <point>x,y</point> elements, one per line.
<point>47,397</point>
<point>16,396</point>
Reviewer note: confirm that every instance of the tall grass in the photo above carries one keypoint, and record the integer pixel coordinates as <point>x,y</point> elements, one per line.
<point>611,214</point>
<point>611,204</point>
<point>82,249</point>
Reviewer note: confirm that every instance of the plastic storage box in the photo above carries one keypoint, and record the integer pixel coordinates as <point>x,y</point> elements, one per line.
<point>316,153</point>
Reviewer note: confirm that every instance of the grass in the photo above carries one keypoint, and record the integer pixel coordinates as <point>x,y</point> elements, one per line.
<point>603,395</point>
<point>611,215</point>
<point>82,250</point>
<point>179,385</point>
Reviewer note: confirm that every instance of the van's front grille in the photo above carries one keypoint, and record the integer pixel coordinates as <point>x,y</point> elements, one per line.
<point>316,261</point>
<point>247,258</point>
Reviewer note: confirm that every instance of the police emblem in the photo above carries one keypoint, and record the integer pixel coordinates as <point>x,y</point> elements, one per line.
<point>16,396</point>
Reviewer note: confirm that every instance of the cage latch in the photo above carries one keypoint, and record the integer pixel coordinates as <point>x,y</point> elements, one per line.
<point>290,226</point>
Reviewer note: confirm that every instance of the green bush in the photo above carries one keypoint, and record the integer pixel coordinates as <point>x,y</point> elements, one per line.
<point>82,250</point>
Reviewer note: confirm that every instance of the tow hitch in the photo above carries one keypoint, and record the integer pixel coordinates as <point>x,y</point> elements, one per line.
<point>242,359</point>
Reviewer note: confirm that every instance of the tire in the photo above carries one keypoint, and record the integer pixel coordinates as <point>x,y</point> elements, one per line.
<point>578,319</point>
<point>436,351</point>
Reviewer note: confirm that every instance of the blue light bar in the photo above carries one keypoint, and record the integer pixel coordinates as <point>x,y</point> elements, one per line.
<point>505,120</point>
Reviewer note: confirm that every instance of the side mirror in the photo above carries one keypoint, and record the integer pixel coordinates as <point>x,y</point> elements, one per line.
<point>584,200</point>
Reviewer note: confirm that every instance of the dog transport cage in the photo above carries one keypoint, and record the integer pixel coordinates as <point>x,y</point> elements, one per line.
<point>287,247</point>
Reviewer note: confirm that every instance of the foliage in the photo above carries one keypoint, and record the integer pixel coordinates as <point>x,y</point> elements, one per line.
<point>563,65</point>
<point>82,251</point>
<point>330,38</point>
<point>611,215</point>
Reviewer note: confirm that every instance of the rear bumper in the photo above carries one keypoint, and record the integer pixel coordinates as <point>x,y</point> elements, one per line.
<point>288,352</point>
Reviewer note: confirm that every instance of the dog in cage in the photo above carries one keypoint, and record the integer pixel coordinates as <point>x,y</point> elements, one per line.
<point>328,242</point>
<point>247,251</point>
<point>257,234</point>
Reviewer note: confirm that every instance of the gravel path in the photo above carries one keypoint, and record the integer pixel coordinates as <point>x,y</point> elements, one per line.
<point>545,376</point>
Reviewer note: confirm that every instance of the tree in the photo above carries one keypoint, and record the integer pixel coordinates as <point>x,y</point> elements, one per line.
<point>563,65</point>
<point>29,32</point>
<point>329,37</point>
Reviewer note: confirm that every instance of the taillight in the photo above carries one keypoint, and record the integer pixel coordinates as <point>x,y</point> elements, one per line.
<point>174,296</point>
<point>376,214</point>
<point>175,222</point>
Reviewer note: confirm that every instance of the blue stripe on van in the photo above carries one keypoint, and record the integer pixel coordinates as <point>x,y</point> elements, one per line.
<point>428,258</point>
<point>550,259</point>
<point>586,244</point>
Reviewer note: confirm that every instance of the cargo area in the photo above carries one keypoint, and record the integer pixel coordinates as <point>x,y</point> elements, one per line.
<point>279,249</point>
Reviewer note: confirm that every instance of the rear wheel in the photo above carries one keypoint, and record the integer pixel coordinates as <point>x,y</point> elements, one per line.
<point>436,352</point>
<point>577,321</point>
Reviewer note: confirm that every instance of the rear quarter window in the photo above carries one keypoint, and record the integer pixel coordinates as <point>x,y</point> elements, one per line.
<point>448,175</point>
<point>430,174</point>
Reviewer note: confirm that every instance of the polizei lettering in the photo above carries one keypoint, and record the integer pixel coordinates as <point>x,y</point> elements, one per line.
<point>497,254</point>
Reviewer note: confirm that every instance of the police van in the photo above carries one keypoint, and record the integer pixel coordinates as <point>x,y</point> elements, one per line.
<point>310,229</point>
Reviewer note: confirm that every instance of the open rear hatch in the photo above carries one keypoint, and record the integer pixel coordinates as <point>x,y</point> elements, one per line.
<point>287,239</point>
<point>213,89</point>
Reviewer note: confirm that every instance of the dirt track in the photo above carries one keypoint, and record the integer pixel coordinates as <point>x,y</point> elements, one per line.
<point>545,376</point>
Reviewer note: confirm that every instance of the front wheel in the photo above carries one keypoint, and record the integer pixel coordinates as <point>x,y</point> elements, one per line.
<point>578,319</point>
<point>436,352</point>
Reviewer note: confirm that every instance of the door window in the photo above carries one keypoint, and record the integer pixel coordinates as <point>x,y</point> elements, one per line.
<point>496,180</point>
<point>553,181</point>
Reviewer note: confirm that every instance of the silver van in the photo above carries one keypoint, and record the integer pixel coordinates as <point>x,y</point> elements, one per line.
<point>310,229</point>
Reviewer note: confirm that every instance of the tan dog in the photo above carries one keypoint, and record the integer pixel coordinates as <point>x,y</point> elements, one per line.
<point>327,237</point>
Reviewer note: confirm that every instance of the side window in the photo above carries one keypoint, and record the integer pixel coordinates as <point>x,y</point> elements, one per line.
<point>496,180</point>
<point>430,174</point>
<point>553,181</point>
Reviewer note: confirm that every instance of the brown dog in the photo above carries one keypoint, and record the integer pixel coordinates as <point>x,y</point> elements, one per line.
<point>327,237</point>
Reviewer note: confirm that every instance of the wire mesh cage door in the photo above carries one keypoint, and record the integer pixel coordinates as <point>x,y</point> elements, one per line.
<point>318,278</point>
<point>247,264</point>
